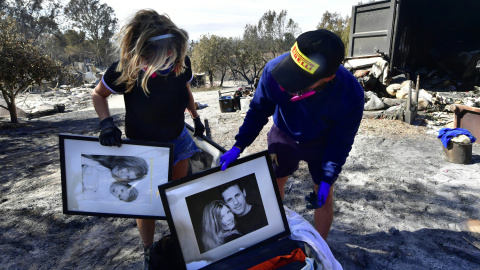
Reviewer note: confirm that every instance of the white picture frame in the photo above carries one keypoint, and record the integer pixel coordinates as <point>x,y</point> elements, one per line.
<point>113,181</point>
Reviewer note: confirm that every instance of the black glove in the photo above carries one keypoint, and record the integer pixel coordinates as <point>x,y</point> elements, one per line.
<point>110,135</point>
<point>312,200</point>
<point>318,200</point>
<point>199,127</point>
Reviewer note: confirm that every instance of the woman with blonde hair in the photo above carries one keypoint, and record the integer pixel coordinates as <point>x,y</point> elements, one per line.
<point>153,73</point>
<point>218,225</point>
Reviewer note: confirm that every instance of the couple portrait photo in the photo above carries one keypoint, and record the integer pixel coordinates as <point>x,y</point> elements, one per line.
<point>226,212</point>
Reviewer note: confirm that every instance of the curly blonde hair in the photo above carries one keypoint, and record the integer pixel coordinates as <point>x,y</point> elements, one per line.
<point>137,52</point>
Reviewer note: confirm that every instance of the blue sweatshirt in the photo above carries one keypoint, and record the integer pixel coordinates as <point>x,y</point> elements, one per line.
<point>333,114</point>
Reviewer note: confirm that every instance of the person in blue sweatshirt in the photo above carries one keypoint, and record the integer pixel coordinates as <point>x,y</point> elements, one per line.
<point>317,107</point>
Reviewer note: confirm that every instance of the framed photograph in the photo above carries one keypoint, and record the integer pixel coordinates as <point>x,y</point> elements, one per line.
<point>113,181</point>
<point>218,214</point>
<point>208,158</point>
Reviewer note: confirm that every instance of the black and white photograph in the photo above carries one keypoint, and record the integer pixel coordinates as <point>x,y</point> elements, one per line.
<point>113,181</point>
<point>215,214</point>
<point>112,178</point>
<point>227,212</point>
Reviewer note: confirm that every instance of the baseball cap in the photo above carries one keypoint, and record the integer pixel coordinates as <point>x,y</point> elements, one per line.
<point>315,55</point>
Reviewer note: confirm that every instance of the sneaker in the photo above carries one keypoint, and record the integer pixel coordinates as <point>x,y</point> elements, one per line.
<point>147,256</point>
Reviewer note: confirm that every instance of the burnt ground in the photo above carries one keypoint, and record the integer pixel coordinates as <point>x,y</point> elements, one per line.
<point>396,202</point>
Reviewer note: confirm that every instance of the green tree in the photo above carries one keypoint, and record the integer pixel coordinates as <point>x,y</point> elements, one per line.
<point>337,24</point>
<point>276,33</point>
<point>246,60</point>
<point>211,55</point>
<point>99,23</point>
<point>75,45</point>
<point>23,64</point>
<point>273,35</point>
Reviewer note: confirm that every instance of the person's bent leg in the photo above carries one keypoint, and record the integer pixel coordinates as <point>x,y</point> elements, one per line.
<point>281,185</point>
<point>146,227</point>
<point>180,169</point>
<point>324,216</point>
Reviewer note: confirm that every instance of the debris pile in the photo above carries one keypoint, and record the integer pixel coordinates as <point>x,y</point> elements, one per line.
<point>388,97</point>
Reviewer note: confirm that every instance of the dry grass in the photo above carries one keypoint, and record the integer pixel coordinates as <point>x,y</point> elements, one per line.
<point>390,128</point>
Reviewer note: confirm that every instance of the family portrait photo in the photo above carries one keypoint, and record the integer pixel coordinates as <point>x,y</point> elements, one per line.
<point>113,181</point>
<point>111,178</point>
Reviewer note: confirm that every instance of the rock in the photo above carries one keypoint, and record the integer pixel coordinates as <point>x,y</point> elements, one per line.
<point>394,102</point>
<point>395,113</point>
<point>405,86</point>
<point>43,109</point>
<point>5,113</point>
<point>393,88</point>
<point>373,102</point>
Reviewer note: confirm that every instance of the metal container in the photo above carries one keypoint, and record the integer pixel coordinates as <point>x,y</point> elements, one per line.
<point>458,153</point>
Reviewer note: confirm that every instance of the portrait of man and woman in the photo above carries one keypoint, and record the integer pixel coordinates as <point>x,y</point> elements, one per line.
<point>112,178</point>
<point>226,212</point>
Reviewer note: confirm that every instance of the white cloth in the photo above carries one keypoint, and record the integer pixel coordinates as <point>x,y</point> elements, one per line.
<point>302,230</point>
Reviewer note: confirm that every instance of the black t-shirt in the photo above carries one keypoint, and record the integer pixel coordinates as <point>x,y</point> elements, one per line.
<point>160,116</point>
<point>252,221</point>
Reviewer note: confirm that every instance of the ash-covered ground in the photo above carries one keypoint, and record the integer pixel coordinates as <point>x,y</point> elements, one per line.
<point>396,202</point>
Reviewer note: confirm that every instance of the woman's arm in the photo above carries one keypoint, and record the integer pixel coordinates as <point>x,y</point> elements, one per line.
<point>100,102</point>
<point>191,103</point>
<point>198,125</point>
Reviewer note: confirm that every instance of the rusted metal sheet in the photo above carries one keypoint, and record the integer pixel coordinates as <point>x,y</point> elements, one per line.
<point>416,35</point>
<point>468,118</point>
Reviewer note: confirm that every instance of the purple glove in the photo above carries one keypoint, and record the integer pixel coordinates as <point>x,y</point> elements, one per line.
<point>229,157</point>
<point>319,200</point>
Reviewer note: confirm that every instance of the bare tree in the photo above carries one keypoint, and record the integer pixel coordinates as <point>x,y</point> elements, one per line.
<point>34,17</point>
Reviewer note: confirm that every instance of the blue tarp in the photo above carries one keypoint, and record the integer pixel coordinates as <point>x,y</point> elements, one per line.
<point>446,134</point>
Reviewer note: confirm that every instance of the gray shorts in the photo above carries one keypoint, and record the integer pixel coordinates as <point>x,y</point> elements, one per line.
<point>289,153</point>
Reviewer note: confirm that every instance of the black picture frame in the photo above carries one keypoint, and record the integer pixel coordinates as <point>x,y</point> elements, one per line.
<point>185,200</point>
<point>94,183</point>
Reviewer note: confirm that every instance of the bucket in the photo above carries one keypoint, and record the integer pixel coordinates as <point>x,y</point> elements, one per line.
<point>226,104</point>
<point>458,153</point>
<point>245,104</point>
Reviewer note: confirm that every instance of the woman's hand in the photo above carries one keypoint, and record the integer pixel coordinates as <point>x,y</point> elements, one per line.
<point>199,127</point>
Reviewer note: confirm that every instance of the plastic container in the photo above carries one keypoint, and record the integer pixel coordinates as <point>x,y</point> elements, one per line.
<point>226,104</point>
<point>460,153</point>
<point>245,104</point>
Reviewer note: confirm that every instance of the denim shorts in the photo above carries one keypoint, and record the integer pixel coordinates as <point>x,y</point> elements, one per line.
<point>289,153</point>
<point>185,147</point>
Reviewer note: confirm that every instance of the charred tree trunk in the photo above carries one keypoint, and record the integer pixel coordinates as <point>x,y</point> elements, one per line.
<point>210,77</point>
<point>12,108</point>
